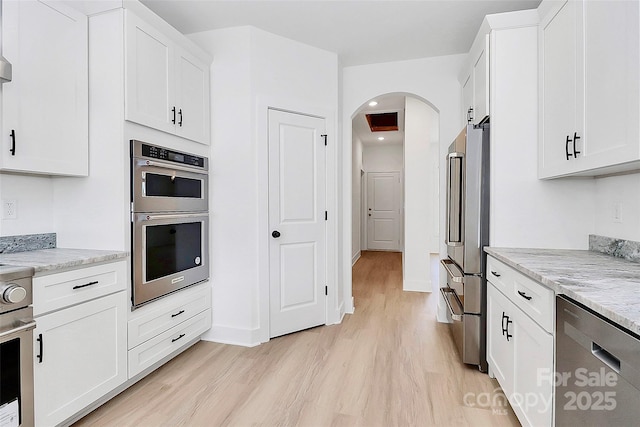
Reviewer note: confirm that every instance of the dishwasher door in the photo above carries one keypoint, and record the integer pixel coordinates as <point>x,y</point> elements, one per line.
<point>597,380</point>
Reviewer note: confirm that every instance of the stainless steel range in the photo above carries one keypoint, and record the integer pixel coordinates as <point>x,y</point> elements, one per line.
<point>16,346</point>
<point>467,232</point>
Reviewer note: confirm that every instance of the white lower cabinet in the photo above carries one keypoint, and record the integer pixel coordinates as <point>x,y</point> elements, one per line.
<point>159,329</point>
<point>79,356</point>
<point>520,354</point>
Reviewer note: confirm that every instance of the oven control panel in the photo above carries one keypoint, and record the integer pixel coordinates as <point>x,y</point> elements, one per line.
<point>160,153</point>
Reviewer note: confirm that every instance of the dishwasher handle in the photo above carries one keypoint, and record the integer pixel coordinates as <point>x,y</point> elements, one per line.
<point>607,358</point>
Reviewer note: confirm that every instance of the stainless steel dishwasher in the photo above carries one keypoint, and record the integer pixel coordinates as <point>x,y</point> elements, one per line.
<point>597,379</point>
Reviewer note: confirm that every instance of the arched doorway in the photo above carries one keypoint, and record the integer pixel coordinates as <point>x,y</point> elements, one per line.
<point>409,148</point>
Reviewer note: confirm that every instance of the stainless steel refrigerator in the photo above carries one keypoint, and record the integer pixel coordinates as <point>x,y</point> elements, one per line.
<point>467,232</point>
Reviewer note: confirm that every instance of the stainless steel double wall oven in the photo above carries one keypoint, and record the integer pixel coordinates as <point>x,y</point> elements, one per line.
<point>170,220</point>
<point>467,232</point>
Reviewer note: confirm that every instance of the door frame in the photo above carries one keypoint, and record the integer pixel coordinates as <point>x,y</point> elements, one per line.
<point>334,306</point>
<point>365,209</point>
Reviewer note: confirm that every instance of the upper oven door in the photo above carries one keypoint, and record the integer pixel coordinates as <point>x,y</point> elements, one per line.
<point>158,186</point>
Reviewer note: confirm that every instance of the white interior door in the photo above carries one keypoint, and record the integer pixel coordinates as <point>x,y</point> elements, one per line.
<point>297,222</point>
<point>383,211</point>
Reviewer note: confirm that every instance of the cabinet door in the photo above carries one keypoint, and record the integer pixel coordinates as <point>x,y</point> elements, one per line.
<point>611,77</point>
<point>45,106</point>
<point>533,372</point>
<point>192,91</point>
<point>149,76</point>
<point>558,85</point>
<point>481,84</point>
<point>500,351</point>
<point>467,99</point>
<point>84,356</point>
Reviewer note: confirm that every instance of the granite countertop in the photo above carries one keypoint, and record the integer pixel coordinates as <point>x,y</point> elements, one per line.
<point>50,260</point>
<point>608,285</point>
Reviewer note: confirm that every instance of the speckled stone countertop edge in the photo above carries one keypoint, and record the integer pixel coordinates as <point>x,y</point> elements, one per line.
<point>619,302</point>
<point>52,260</point>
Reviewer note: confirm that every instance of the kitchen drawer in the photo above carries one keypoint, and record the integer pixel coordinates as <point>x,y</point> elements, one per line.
<point>499,274</point>
<point>55,291</point>
<point>534,299</point>
<point>154,350</point>
<point>156,318</point>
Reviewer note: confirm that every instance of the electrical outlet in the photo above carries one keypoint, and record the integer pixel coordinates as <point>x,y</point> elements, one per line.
<point>9,209</point>
<point>617,212</point>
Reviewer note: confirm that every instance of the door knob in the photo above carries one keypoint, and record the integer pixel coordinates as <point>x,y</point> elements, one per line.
<point>275,234</point>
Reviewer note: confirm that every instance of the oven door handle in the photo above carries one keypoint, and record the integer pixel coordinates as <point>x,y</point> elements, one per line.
<point>171,166</point>
<point>453,271</point>
<point>26,327</point>
<point>173,216</point>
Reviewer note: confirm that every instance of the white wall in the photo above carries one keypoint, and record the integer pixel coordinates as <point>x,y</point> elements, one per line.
<point>420,119</point>
<point>433,79</point>
<point>382,158</point>
<point>253,70</point>
<point>525,211</point>
<point>34,197</point>
<point>356,197</point>
<point>625,191</point>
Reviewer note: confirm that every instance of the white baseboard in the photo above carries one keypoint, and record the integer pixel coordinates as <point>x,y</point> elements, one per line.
<point>229,335</point>
<point>355,258</point>
<point>417,285</point>
<point>350,308</point>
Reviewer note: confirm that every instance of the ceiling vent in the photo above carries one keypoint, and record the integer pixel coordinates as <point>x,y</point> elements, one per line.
<point>383,122</point>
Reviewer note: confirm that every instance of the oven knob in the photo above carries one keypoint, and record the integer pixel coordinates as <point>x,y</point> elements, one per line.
<point>13,294</point>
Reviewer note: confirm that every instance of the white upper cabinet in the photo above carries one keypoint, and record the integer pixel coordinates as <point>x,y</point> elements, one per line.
<point>166,86</point>
<point>589,88</point>
<point>45,106</point>
<point>475,82</point>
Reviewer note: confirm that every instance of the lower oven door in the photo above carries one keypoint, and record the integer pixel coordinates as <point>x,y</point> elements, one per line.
<point>170,252</point>
<point>16,370</point>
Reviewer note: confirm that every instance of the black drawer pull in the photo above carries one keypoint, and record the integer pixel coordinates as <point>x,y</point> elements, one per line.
<point>173,110</point>
<point>176,339</point>
<point>180,122</point>
<point>41,342</point>
<point>525,296</point>
<point>566,148</point>
<point>178,313</point>
<point>495,273</point>
<point>85,285</point>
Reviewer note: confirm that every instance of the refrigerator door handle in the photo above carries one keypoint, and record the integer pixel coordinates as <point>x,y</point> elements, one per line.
<point>455,199</point>
<point>453,304</point>
<point>453,271</point>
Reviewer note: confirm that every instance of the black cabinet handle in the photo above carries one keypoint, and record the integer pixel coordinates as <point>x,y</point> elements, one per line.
<point>178,313</point>
<point>504,329</point>
<point>524,295</point>
<point>275,234</point>
<point>508,334</point>
<point>495,273</point>
<point>180,113</point>
<point>13,142</point>
<point>470,114</point>
<point>176,339</point>
<point>566,148</point>
<point>575,142</point>
<point>41,341</point>
<point>85,285</point>
<point>173,110</point>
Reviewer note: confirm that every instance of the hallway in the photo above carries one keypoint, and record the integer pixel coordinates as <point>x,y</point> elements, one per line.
<point>388,364</point>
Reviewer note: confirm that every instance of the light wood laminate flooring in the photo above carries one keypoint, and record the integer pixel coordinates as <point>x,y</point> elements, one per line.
<point>388,364</point>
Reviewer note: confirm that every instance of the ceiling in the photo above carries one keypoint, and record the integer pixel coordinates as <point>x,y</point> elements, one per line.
<point>359,31</point>
<point>386,104</point>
